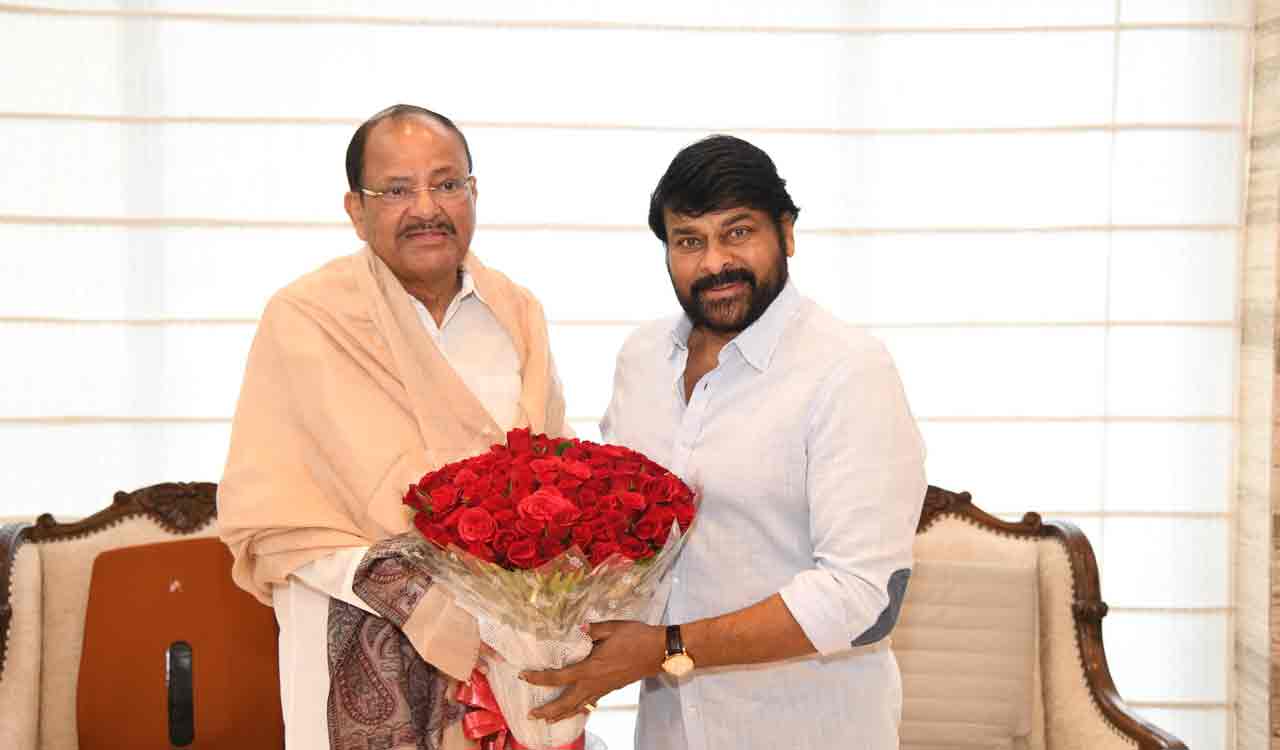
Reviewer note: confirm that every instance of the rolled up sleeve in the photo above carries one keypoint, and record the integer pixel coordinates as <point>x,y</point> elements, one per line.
<point>865,483</point>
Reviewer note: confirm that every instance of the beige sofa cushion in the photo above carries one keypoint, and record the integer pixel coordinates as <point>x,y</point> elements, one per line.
<point>966,645</point>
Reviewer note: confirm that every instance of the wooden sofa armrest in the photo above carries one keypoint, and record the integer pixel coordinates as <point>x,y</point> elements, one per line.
<point>21,612</point>
<point>11,538</point>
<point>1087,609</point>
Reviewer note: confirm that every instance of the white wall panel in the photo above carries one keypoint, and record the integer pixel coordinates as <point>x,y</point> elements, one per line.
<point>1141,571</point>
<point>1177,177</point>
<point>1159,657</point>
<point>1002,372</point>
<point>1173,275</point>
<point>1170,371</point>
<point>71,470</point>
<point>1168,467</point>
<point>1181,76</point>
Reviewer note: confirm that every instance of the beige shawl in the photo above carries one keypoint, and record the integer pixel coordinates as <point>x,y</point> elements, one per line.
<point>345,402</point>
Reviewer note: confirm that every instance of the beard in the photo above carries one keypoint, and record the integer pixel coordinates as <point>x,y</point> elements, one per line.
<point>733,315</point>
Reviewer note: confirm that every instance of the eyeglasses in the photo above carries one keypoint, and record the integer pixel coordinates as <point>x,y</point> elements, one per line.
<point>448,189</point>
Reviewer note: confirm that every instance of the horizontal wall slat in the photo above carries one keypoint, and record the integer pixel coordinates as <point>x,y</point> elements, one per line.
<point>468,125</point>
<point>999,78</point>
<point>917,16</point>
<point>199,222</point>
<point>587,420</point>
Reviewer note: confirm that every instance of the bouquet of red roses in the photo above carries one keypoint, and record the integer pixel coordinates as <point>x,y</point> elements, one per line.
<point>541,536</point>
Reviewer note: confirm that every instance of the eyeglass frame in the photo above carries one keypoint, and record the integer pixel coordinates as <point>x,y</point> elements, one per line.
<point>469,181</point>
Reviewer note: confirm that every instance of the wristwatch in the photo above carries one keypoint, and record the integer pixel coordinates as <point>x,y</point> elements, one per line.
<point>677,662</point>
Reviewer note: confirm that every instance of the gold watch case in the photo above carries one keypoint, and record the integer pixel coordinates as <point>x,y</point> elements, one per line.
<point>678,665</point>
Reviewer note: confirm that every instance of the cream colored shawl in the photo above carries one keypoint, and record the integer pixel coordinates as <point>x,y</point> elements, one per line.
<point>345,402</point>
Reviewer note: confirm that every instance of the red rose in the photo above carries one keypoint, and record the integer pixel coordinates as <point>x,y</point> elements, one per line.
<point>443,499</point>
<point>544,504</point>
<point>549,548</point>
<point>428,480</point>
<point>614,520</point>
<point>482,551</point>
<point>567,484</point>
<point>581,536</point>
<point>434,532</point>
<point>646,528</point>
<point>634,548</point>
<point>631,500</point>
<point>662,517</point>
<point>451,521</point>
<point>684,512</point>
<point>602,531</point>
<point>505,517</point>
<point>465,477</point>
<point>413,499</point>
<point>550,464</point>
<point>521,482</point>
<point>502,539</point>
<point>519,441</point>
<point>530,526</point>
<point>577,469</point>
<point>496,504</point>
<point>627,467</point>
<point>601,551</point>
<point>523,553</point>
<point>476,525</point>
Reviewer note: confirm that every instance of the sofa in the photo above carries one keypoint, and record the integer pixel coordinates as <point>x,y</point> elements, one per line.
<point>999,640</point>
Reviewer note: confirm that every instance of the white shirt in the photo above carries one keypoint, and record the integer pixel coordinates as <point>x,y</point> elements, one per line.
<point>477,346</point>
<point>811,471</point>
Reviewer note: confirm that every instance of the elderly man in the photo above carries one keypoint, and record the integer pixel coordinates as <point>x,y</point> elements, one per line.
<point>795,427</point>
<point>365,374</point>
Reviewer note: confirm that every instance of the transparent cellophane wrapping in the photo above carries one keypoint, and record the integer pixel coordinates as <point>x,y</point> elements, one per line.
<point>534,619</point>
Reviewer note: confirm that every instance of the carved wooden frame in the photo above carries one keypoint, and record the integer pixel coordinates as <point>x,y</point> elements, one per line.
<point>1087,610</point>
<point>183,508</point>
<point>178,507</point>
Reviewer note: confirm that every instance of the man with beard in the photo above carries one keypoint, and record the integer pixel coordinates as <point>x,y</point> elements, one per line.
<point>794,427</point>
<point>363,376</point>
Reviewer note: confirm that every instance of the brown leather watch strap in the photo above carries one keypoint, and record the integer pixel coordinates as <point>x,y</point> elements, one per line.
<point>675,644</point>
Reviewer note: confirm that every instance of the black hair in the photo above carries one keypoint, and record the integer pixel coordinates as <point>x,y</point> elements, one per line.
<point>717,173</point>
<point>355,149</point>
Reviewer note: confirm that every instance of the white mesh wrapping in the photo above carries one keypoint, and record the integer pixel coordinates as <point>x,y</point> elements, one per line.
<point>520,651</point>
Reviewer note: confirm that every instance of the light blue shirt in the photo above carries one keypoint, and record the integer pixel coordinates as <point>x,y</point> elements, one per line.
<point>811,471</point>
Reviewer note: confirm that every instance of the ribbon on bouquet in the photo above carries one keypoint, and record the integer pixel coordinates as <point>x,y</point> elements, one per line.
<point>484,721</point>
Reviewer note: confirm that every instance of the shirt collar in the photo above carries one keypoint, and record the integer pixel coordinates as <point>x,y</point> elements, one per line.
<point>467,288</point>
<point>760,340</point>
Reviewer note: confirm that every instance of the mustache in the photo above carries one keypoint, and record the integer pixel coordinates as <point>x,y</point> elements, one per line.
<point>727,276</point>
<point>428,226</point>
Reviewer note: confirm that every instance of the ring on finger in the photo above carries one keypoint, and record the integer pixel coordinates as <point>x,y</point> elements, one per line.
<point>589,707</point>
